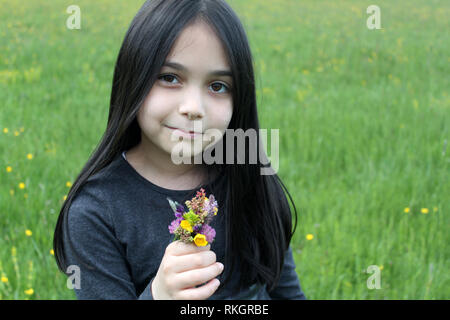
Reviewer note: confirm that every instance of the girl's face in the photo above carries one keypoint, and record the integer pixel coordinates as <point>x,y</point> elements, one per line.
<point>189,89</point>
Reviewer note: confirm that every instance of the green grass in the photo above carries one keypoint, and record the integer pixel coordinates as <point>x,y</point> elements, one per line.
<point>364,131</point>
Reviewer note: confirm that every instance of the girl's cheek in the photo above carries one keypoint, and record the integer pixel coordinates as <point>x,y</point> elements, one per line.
<point>157,106</point>
<point>222,114</point>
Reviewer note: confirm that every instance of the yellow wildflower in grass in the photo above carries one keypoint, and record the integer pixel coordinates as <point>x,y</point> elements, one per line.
<point>309,236</point>
<point>16,133</point>
<point>32,74</point>
<point>68,184</point>
<point>5,130</point>
<point>186,225</point>
<point>65,197</point>
<point>21,185</point>
<point>424,210</point>
<point>29,156</point>
<point>28,232</point>
<point>29,291</point>
<point>406,210</point>
<point>4,279</point>
<point>52,252</point>
<point>381,267</point>
<point>200,240</point>
<point>267,90</point>
<point>8,169</point>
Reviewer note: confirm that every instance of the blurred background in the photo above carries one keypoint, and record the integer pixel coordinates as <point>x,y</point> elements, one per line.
<point>363,114</point>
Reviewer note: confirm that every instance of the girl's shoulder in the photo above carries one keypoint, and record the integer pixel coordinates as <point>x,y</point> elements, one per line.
<point>99,187</point>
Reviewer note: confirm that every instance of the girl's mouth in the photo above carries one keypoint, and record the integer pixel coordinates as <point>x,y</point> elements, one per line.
<point>184,133</point>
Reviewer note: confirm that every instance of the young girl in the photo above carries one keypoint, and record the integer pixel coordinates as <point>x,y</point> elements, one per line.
<point>181,61</point>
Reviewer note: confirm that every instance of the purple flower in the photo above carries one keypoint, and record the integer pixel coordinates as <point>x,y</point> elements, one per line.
<point>174,225</point>
<point>209,232</point>
<point>180,211</point>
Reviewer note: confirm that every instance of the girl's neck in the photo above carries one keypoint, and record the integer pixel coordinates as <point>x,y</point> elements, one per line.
<point>157,167</point>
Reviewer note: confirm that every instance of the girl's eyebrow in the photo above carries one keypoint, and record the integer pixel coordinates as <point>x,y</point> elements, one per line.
<point>180,67</point>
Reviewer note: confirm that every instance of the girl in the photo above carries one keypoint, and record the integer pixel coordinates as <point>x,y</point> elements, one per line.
<point>181,61</point>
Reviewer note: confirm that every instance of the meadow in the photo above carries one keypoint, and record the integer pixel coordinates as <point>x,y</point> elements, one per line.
<point>363,114</point>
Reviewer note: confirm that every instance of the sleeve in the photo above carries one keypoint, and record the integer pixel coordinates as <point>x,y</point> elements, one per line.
<point>288,287</point>
<point>94,242</point>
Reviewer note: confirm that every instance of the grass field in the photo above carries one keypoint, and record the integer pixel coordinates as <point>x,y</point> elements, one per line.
<point>364,120</point>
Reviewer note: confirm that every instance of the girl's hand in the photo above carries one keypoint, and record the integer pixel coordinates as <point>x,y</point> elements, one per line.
<point>183,267</point>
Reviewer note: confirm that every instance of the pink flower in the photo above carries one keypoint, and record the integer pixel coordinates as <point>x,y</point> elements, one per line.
<point>209,232</point>
<point>174,225</point>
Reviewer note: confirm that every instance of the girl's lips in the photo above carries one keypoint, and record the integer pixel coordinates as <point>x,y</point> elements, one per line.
<point>190,134</point>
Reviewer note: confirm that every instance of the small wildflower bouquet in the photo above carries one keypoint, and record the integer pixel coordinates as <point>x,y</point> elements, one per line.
<point>193,225</point>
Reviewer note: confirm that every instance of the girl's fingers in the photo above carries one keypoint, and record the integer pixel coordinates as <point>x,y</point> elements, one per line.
<point>179,248</point>
<point>195,277</point>
<point>193,261</point>
<point>200,293</point>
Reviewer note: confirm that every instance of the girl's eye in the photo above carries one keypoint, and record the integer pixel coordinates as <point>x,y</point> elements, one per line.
<point>217,86</point>
<point>167,77</point>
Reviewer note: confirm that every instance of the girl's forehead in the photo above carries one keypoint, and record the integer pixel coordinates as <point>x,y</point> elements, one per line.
<point>198,44</point>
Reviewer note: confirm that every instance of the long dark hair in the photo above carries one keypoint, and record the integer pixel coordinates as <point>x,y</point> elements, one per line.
<point>258,220</point>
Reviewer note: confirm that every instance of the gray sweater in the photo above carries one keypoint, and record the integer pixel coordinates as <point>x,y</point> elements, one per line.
<point>119,225</point>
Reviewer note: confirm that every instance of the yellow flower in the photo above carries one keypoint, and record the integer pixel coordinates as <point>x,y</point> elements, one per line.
<point>309,236</point>
<point>16,133</point>
<point>29,156</point>
<point>4,279</point>
<point>8,169</point>
<point>381,267</point>
<point>52,252</point>
<point>68,184</point>
<point>65,197</point>
<point>21,185</point>
<point>424,210</point>
<point>28,232</point>
<point>406,210</point>
<point>5,130</point>
<point>186,225</point>
<point>200,240</point>
<point>29,291</point>
<point>215,210</point>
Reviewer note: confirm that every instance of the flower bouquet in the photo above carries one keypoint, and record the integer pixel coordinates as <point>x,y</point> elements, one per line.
<point>193,225</point>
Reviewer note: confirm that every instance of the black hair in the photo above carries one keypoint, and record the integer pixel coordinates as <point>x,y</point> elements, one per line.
<point>258,219</point>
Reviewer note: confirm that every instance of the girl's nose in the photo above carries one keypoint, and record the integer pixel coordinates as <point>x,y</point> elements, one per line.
<point>192,106</point>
